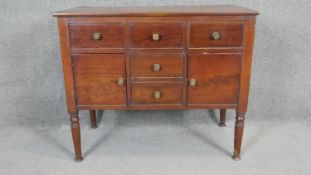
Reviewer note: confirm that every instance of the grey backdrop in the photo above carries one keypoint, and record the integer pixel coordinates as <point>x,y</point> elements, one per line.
<point>34,121</point>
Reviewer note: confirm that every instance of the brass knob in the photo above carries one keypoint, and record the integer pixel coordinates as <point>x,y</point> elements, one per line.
<point>155,37</point>
<point>96,36</point>
<point>157,94</point>
<point>156,67</point>
<point>216,35</point>
<point>192,82</point>
<point>121,81</point>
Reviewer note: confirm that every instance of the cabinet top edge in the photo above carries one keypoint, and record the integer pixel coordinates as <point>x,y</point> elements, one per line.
<point>159,11</point>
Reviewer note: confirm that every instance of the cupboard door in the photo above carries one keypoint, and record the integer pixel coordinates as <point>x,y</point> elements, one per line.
<point>214,78</point>
<point>98,79</point>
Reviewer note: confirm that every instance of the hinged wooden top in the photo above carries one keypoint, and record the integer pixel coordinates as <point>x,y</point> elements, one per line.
<point>210,10</point>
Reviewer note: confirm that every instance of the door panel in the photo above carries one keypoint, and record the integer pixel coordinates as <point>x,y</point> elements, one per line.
<point>96,79</point>
<point>216,78</point>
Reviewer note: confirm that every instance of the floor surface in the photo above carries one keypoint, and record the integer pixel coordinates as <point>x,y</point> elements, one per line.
<point>164,142</point>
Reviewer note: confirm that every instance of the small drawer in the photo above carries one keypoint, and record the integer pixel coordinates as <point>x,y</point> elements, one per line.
<point>156,34</point>
<point>216,35</point>
<point>157,65</point>
<point>157,93</point>
<point>106,35</point>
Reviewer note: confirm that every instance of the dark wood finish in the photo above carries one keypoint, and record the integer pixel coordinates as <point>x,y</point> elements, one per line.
<point>143,93</point>
<point>111,35</point>
<point>230,34</point>
<point>185,48</point>
<point>93,118</point>
<point>222,121</point>
<point>96,79</point>
<point>170,34</point>
<point>171,65</point>
<point>217,77</point>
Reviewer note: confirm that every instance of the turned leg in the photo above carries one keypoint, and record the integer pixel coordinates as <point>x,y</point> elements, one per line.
<point>222,122</point>
<point>75,132</point>
<point>93,118</point>
<point>238,134</point>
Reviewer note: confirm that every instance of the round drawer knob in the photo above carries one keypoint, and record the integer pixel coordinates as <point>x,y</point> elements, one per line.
<point>155,37</point>
<point>121,81</point>
<point>156,67</point>
<point>96,36</point>
<point>157,94</point>
<point>216,35</point>
<point>192,82</point>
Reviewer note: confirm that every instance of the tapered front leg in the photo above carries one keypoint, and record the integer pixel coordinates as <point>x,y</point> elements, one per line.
<point>93,118</point>
<point>238,134</point>
<point>75,132</point>
<point>222,122</point>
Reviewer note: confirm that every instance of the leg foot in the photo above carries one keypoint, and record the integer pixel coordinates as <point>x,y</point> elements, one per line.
<point>222,122</point>
<point>76,136</point>
<point>78,158</point>
<point>93,118</point>
<point>236,156</point>
<point>238,134</point>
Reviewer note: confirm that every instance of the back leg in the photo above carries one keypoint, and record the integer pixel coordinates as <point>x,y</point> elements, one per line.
<point>93,118</point>
<point>222,122</point>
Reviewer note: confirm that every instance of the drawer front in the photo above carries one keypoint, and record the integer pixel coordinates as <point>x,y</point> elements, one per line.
<point>156,34</point>
<point>157,65</point>
<point>157,93</point>
<point>97,79</point>
<point>214,78</point>
<point>106,35</point>
<point>216,35</point>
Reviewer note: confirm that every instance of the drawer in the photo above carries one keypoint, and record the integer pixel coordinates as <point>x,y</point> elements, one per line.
<point>103,35</point>
<point>216,35</point>
<point>156,34</point>
<point>157,65</point>
<point>157,93</point>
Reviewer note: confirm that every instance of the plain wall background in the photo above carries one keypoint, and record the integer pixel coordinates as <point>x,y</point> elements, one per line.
<point>31,79</point>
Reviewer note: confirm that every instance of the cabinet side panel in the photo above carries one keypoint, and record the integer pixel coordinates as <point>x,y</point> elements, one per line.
<point>67,65</point>
<point>248,42</point>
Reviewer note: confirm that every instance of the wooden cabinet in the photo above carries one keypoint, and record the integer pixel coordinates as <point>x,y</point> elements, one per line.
<point>173,57</point>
